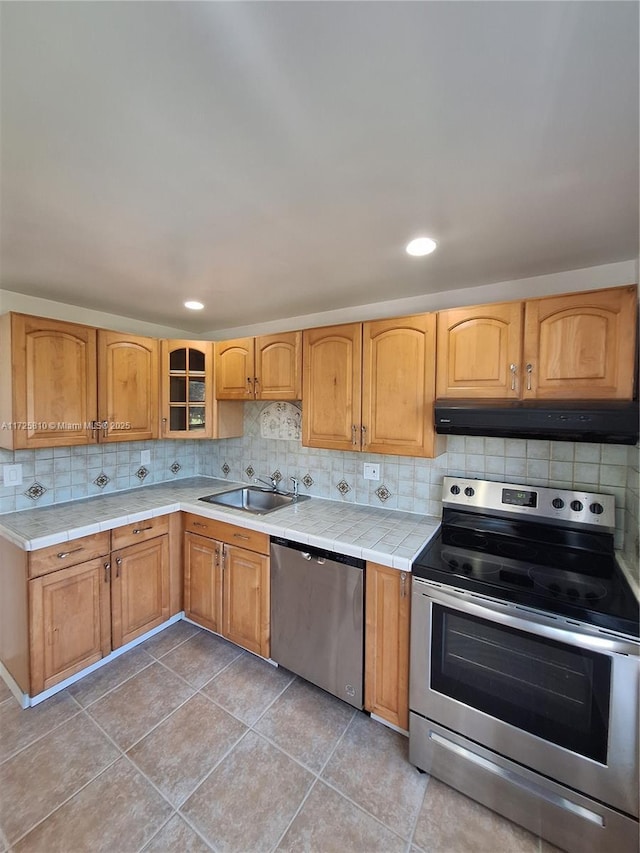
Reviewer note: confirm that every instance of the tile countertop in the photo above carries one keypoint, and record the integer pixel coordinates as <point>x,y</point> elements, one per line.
<point>389,537</point>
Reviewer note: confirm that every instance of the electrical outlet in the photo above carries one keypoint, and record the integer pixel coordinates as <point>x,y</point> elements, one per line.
<point>145,457</point>
<point>12,475</point>
<point>371,472</point>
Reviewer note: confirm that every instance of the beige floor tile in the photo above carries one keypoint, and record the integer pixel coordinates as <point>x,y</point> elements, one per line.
<point>178,754</point>
<point>176,837</point>
<point>168,639</point>
<point>306,722</point>
<point>5,693</point>
<point>101,681</point>
<point>130,711</point>
<point>38,779</point>
<point>450,821</point>
<point>19,727</point>
<point>371,767</point>
<point>249,799</point>
<point>329,823</point>
<point>201,657</point>
<point>119,811</point>
<point>247,687</point>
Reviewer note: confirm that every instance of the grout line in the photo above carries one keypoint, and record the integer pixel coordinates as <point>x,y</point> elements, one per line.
<point>43,735</point>
<point>159,830</point>
<point>418,813</point>
<point>115,687</point>
<point>192,826</point>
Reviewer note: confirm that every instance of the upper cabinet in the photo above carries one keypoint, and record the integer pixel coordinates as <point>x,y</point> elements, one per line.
<point>188,407</point>
<point>127,386</point>
<point>264,368</point>
<point>70,384</point>
<point>575,346</point>
<point>370,386</point>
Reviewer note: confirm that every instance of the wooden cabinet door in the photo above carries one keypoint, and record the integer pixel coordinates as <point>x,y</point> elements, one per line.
<point>479,351</point>
<point>582,345</point>
<point>186,393</point>
<point>54,382</point>
<point>331,381</point>
<point>203,581</point>
<point>387,613</point>
<point>278,366</point>
<point>398,373</point>
<point>139,589</point>
<point>70,626</point>
<point>127,386</point>
<point>246,599</point>
<point>235,369</point>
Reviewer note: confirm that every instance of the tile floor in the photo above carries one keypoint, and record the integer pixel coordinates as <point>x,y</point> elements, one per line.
<point>187,743</point>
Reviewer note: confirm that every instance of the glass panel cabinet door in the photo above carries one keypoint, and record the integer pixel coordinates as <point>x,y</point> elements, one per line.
<point>187,395</point>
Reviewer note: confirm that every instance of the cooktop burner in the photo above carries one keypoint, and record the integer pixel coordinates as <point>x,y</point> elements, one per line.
<point>564,566</point>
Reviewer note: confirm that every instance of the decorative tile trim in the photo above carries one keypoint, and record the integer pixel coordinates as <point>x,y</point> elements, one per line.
<point>343,487</point>
<point>383,493</point>
<point>277,476</point>
<point>226,470</point>
<point>141,473</point>
<point>249,472</point>
<point>101,480</point>
<point>175,467</point>
<point>35,491</point>
<point>307,480</point>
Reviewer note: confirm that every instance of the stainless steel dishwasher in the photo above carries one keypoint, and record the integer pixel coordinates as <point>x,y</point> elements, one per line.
<point>317,615</point>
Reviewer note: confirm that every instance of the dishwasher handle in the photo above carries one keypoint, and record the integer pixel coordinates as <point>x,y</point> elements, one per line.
<point>308,552</point>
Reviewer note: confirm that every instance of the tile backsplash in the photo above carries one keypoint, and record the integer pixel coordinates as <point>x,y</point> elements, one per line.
<point>407,483</point>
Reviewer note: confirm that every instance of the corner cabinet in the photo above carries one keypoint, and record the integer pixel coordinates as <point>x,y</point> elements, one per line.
<point>188,407</point>
<point>575,346</point>
<point>387,618</point>
<point>264,368</point>
<point>227,584</point>
<point>370,387</point>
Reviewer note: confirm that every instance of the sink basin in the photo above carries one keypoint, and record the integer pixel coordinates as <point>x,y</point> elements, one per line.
<point>253,499</point>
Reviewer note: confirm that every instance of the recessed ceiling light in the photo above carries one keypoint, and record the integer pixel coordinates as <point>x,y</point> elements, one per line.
<point>195,306</point>
<point>421,246</point>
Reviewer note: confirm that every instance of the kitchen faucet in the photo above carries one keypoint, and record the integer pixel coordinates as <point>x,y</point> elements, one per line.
<point>273,483</point>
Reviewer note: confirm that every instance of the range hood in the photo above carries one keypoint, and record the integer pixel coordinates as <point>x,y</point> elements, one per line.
<point>600,421</point>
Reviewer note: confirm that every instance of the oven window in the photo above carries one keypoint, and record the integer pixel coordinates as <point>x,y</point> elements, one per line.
<point>555,691</point>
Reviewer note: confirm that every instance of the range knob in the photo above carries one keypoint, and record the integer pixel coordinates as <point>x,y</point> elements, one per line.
<point>557,503</point>
<point>455,490</point>
<point>469,492</point>
<point>576,506</point>
<point>596,508</point>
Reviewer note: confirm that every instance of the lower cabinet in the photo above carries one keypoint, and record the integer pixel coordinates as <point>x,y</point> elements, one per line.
<point>139,589</point>
<point>387,619</point>
<point>227,584</point>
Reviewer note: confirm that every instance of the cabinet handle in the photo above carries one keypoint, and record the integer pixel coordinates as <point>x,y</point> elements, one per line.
<point>118,564</point>
<point>107,566</point>
<point>241,536</point>
<point>364,435</point>
<point>529,371</point>
<point>403,585</point>
<point>62,554</point>
<point>513,368</point>
<point>198,524</point>
<point>256,382</point>
<point>354,429</point>
<point>249,388</point>
<point>217,557</point>
<point>224,556</point>
<point>142,529</point>
<point>105,428</point>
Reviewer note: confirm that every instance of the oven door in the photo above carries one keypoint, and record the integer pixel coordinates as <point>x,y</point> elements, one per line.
<point>558,698</point>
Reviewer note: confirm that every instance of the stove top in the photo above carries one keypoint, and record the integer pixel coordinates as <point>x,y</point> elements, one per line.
<point>558,565</point>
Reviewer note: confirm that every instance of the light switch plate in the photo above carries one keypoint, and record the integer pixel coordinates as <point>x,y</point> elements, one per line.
<point>12,475</point>
<point>371,471</point>
<point>145,457</point>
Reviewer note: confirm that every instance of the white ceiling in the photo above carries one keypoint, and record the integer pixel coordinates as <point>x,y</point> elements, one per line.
<point>272,159</point>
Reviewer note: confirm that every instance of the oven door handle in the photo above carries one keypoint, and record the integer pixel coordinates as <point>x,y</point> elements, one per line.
<point>511,615</point>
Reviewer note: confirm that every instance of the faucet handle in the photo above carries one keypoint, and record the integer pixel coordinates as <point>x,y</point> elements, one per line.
<point>295,486</point>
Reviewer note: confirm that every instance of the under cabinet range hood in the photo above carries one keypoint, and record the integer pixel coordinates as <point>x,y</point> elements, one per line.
<point>598,421</point>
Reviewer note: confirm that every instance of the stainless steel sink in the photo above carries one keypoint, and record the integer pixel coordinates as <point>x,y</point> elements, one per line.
<point>254,499</point>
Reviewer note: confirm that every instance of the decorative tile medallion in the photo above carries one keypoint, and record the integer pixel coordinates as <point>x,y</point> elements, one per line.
<point>141,473</point>
<point>226,470</point>
<point>277,476</point>
<point>175,467</point>
<point>307,480</point>
<point>281,421</point>
<point>383,493</point>
<point>343,487</point>
<point>249,472</point>
<point>35,491</point>
<point>101,480</point>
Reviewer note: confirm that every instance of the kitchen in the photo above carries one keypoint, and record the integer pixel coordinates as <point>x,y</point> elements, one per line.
<point>270,444</point>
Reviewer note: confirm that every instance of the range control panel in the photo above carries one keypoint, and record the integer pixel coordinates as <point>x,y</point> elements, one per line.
<point>534,502</point>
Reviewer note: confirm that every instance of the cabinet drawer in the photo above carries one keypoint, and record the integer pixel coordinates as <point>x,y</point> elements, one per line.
<point>250,539</point>
<point>65,554</point>
<point>130,534</point>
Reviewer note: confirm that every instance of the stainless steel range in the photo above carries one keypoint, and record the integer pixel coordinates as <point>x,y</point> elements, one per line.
<point>525,663</point>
